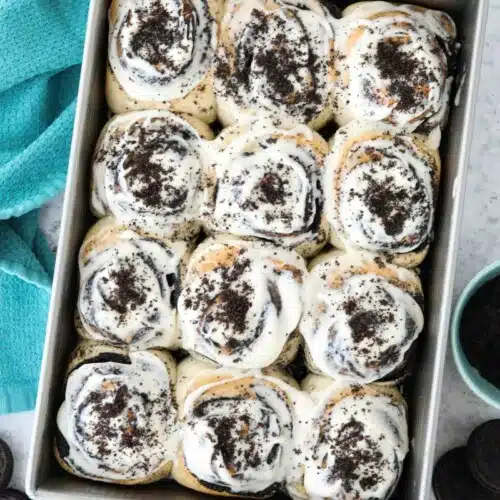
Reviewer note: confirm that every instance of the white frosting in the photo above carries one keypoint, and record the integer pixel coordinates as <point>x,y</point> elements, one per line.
<point>147,171</point>
<point>160,50</point>
<point>242,310</point>
<point>262,429</point>
<point>361,328</point>
<point>375,35</point>
<point>269,184</point>
<point>355,448</point>
<point>274,57</point>
<point>380,189</point>
<point>128,291</point>
<point>119,420</point>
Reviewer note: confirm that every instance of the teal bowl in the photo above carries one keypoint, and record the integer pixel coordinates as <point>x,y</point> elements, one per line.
<point>486,391</point>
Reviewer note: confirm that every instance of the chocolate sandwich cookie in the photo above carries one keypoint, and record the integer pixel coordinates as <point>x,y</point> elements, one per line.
<point>6,464</point>
<point>483,455</point>
<point>452,479</point>
<point>11,494</point>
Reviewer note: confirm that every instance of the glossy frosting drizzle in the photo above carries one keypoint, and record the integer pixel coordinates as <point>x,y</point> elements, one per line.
<point>276,56</point>
<point>359,327</point>
<point>161,49</point>
<point>119,419</point>
<point>241,302</point>
<point>147,171</point>
<point>268,184</point>
<point>381,188</point>
<point>129,291</point>
<point>394,64</point>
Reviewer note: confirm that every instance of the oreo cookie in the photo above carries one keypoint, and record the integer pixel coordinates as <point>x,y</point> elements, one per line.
<point>6,464</point>
<point>452,479</point>
<point>483,454</point>
<point>13,495</point>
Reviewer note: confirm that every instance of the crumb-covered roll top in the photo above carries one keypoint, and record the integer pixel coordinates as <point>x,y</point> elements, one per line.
<point>354,446</point>
<point>147,170</point>
<point>381,191</point>
<point>275,57</point>
<point>160,50</point>
<point>129,286</point>
<point>361,317</point>
<point>241,303</point>
<point>267,182</point>
<point>394,64</point>
<point>237,433</point>
<point>118,420</point>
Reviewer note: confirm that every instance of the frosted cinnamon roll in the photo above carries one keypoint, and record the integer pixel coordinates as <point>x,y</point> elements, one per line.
<point>117,423</point>
<point>147,169</point>
<point>241,303</point>
<point>237,433</point>
<point>355,443</point>
<point>129,286</point>
<point>362,316</point>
<point>381,191</point>
<point>394,64</point>
<point>275,57</point>
<point>267,182</point>
<point>161,55</point>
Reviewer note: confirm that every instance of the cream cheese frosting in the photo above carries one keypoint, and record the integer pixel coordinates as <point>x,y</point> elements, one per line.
<point>359,322</point>
<point>129,291</point>
<point>118,419</point>
<point>241,302</point>
<point>274,56</point>
<point>269,183</point>
<point>381,188</point>
<point>160,50</point>
<point>394,64</point>
<point>355,442</point>
<point>147,171</point>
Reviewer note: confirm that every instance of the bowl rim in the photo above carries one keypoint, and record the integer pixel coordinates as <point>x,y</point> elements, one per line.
<point>468,373</point>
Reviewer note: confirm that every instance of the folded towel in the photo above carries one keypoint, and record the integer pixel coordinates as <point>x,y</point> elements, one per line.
<point>41,43</point>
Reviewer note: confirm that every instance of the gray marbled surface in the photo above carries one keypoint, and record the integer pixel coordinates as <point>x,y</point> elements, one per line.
<point>461,410</point>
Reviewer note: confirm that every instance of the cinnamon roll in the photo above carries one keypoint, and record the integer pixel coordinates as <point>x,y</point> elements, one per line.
<point>276,58</point>
<point>129,287</point>
<point>161,56</point>
<point>241,303</point>
<point>395,64</point>
<point>362,316</point>
<point>237,433</point>
<point>118,420</point>
<point>267,182</point>
<point>381,191</point>
<point>355,443</point>
<point>147,172</point>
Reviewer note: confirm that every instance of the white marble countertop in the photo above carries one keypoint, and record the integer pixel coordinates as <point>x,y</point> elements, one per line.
<point>461,410</point>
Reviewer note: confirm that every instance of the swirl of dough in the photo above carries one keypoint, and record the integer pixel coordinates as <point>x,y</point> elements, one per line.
<point>354,446</point>
<point>267,182</point>
<point>395,65</point>
<point>381,189</point>
<point>237,433</point>
<point>361,316</point>
<point>129,287</point>
<point>241,302</point>
<point>147,171</point>
<point>275,57</point>
<point>160,50</point>
<point>118,419</point>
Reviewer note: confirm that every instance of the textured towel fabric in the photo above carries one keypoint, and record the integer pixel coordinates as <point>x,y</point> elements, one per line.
<point>41,44</point>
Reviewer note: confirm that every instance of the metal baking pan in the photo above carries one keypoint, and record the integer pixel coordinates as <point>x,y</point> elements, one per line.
<point>44,478</point>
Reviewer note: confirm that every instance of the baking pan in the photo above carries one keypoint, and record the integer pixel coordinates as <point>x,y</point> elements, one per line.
<point>44,478</point>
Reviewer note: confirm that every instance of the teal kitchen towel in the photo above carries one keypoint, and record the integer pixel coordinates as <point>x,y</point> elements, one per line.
<point>41,44</point>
